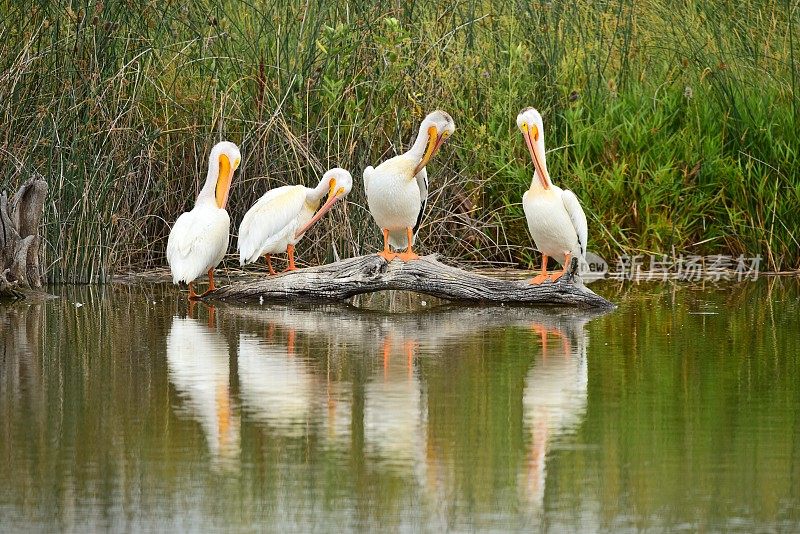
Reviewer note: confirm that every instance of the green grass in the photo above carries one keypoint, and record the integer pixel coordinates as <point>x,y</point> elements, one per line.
<point>683,136</point>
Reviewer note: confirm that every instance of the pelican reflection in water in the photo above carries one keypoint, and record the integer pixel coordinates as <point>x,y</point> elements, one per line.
<point>293,389</point>
<point>555,395</point>
<point>394,408</point>
<point>358,389</point>
<point>198,364</point>
<point>282,389</point>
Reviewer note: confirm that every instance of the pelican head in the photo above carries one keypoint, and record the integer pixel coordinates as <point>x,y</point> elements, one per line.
<point>435,129</point>
<point>337,182</point>
<point>223,162</point>
<point>530,124</point>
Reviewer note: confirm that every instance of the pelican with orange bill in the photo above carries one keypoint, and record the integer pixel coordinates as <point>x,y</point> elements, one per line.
<point>282,216</point>
<point>555,218</point>
<point>397,189</point>
<point>199,239</point>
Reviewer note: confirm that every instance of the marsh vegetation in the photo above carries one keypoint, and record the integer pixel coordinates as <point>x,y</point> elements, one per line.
<point>675,123</point>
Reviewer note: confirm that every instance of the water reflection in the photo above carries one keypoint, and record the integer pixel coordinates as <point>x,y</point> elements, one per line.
<point>342,379</point>
<point>555,393</point>
<point>21,371</point>
<point>394,418</point>
<point>122,414</point>
<point>198,363</point>
<point>354,381</point>
<point>281,389</point>
<point>297,386</point>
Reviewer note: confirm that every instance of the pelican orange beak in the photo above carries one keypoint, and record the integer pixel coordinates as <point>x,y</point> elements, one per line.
<point>224,180</point>
<point>531,135</point>
<point>435,141</point>
<point>334,194</point>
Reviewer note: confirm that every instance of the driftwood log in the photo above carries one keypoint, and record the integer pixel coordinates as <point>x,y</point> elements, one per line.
<point>19,238</point>
<point>365,274</point>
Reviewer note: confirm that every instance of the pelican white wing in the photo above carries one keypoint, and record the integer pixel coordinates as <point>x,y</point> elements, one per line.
<point>271,222</point>
<point>197,242</point>
<point>368,172</point>
<point>578,218</point>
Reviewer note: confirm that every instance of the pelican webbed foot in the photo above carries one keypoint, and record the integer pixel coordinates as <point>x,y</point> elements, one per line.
<point>409,254</point>
<point>557,276</point>
<point>538,279</point>
<point>386,254</point>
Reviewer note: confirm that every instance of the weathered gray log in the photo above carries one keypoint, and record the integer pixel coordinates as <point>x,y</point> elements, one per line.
<point>19,238</point>
<point>365,274</point>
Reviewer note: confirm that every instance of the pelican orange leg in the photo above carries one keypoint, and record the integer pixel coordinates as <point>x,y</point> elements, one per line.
<point>536,280</point>
<point>211,286</point>
<point>268,257</point>
<point>386,254</point>
<point>290,251</point>
<point>192,294</point>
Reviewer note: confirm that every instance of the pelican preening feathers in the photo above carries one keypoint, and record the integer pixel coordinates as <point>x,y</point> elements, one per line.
<point>397,189</point>
<point>396,192</point>
<point>282,216</point>
<point>199,239</point>
<point>555,217</point>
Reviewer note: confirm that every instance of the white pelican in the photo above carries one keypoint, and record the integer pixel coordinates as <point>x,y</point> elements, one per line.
<point>555,217</point>
<point>199,239</point>
<point>282,216</point>
<point>397,189</point>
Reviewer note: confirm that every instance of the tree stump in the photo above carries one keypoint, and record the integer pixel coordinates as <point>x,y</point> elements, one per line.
<point>365,274</point>
<point>19,238</point>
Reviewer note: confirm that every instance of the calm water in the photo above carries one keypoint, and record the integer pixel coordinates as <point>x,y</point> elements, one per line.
<point>678,410</point>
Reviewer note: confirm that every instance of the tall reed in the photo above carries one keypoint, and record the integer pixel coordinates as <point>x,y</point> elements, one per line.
<point>675,123</point>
